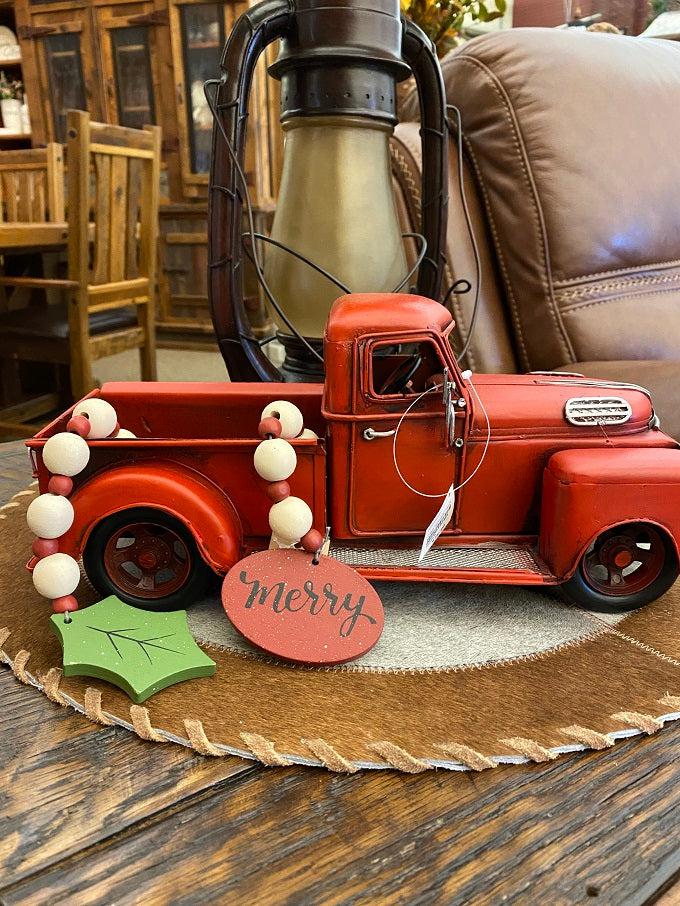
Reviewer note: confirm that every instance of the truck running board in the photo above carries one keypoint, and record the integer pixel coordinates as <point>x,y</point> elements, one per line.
<point>498,563</point>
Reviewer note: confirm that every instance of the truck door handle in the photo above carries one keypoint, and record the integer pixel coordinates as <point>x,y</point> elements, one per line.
<point>371,433</point>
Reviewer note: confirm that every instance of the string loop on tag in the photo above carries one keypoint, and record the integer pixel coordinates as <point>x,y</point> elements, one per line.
<point>468,377</point>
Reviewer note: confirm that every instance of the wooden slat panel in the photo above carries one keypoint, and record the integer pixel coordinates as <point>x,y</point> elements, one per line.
<point>120,136</point>
<point>78,131</point>
<point>28,157</point>
<point>118,151</point>
<point>39,201</point>
<point>133,204</point>
<point>113,304</point>
<point>102,208</point>
<point>186,238</point>
<point>112,343</point>
<point>117,238</point>
<point>11,189</point>
<point>35,282</point>
<point>15,235</point>
<point>55,182</point>
<point>24,195</point>
<point>139,284</point>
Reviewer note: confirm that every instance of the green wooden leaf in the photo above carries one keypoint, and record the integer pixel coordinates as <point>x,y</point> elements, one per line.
<point>139,650</point>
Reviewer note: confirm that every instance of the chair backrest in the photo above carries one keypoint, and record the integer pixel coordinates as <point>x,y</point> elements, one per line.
<point>114,182</point>
<point>32,185</point>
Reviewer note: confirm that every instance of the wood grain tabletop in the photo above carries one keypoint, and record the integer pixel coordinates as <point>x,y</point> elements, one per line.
<point>92,814</point>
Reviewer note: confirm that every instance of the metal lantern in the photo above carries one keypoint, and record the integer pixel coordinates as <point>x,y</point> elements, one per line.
<point>336,226</point>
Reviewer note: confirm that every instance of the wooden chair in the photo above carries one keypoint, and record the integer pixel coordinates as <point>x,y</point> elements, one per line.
<point>32,197</point>
<point>113,197</point>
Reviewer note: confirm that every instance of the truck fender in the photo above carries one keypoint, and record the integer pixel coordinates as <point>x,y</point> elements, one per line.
<point>588,491</point>
<point>195,501</point>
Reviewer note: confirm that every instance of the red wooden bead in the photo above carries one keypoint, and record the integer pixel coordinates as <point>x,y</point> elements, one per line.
<point>269,427</point>
<point>312,541</point>
<point>79,424</point>
<point>278,491</point>
<point>67,603</point>
<point>61,485</point>
<point>44,547</point>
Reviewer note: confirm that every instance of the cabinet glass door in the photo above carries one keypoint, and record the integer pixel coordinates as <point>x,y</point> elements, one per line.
<point>202,40</point>
<point>132,67</point>
<point>65,74</point>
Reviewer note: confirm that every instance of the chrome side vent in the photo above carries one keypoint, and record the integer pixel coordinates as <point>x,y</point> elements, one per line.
<point>597,410</point>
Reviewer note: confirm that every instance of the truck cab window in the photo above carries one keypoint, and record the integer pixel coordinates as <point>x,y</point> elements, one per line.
<point>405,368</point>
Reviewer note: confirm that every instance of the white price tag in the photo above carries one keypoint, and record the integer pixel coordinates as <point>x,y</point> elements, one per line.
<point>439,523</point>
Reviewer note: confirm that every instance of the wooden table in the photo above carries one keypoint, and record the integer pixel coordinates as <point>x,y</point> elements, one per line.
<point>95,815</point>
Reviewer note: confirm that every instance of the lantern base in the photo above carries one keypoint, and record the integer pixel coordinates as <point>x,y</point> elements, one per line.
<point>299,365</point>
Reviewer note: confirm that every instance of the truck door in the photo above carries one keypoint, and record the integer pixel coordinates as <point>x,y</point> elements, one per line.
<point>394,375</point>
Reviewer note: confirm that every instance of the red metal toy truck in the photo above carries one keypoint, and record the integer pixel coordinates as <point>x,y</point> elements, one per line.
<point>577,487</point>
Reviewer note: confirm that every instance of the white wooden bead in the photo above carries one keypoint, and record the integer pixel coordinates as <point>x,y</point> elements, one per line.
<point>288,414</point>
<point>101,414</point>
<point>290,519</point>
<point>66,454</point>
<point>124,434</point>
<point>275,459</point>
<point>50,516</point>
<point>308,434</point>
<point>56,576</point>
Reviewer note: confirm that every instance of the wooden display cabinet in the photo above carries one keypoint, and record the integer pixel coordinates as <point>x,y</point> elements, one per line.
<point>135,62</point>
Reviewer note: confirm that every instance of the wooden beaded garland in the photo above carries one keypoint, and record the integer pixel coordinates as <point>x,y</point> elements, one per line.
<point>61,485</point>
<point>278,490</point>
<point>312,541</point>
<point>287,414</point>
<point>79,424</point>
<point>43,547</point>
<point>101,416</point>
<point>65,604</point>
<point>50,516</point>
<point>56,576</point>
<point>290,518</point>
<point>66,454</point>
<point>275,459</point>
<point>270,427</point>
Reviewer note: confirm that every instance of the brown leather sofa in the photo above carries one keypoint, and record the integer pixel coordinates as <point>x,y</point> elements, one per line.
<point>572,179</point>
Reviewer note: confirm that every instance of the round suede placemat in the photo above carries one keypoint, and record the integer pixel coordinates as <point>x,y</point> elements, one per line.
<point>464,677</point>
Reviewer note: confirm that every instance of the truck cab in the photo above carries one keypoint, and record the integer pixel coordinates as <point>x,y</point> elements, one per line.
<point>557,479</point>
<point>530,457</point>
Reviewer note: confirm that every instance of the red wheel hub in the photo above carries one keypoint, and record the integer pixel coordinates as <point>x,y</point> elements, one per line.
<point>147,560</point>
<point>624,561</point>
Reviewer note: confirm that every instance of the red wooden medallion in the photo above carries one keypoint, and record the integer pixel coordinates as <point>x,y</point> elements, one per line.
<point>314,614</point>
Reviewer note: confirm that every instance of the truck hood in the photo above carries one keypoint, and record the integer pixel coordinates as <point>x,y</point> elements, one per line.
<point>538,404</point>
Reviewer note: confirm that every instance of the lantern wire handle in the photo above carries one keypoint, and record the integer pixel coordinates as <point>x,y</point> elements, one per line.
<point>468,221</point>
<point>249,211</point>
<point>253,235</point>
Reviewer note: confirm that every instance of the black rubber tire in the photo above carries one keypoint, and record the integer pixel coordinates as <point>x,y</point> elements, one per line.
<point>577,590</point>
<point>93,561</point>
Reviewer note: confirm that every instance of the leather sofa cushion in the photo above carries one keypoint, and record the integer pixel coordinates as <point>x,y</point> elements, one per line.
<point>662,379</point>
<point>572,137</point>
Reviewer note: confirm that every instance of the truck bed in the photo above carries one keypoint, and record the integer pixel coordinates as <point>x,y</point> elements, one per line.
<point>209,429</point>
<point>195,411</point>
